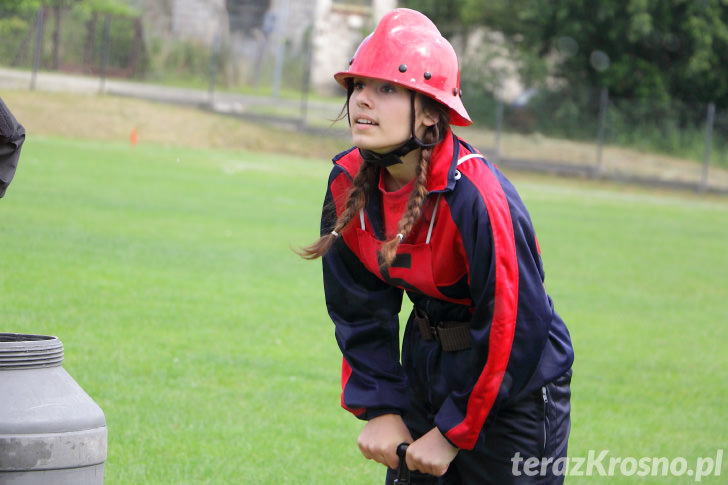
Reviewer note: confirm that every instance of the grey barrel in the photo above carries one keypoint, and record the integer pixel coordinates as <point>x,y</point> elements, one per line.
<point>51,431</point>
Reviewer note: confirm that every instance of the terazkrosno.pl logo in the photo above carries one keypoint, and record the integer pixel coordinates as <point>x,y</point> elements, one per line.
<point>601,464</point>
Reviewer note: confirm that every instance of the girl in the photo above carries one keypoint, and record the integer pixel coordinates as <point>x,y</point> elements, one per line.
<point>481,391</point>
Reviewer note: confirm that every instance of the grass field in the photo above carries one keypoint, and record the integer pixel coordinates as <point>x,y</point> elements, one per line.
<point>168,274</point>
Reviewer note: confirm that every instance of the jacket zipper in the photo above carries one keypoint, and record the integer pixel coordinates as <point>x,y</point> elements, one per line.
<point>545,416</point>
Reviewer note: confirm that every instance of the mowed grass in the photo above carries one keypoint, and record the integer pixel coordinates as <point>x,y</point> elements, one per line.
<point>169,275</point>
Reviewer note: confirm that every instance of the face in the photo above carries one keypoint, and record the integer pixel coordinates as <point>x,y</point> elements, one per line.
<point>380,115</point>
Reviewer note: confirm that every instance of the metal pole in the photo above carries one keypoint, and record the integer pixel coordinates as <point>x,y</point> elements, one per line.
<point>215,48</point>
<point>281,21</point>
<point>37,47</point>
<point>710,119</point>
<point>306,88</point>
<point>498,130</point>
<point>603,104</point>
<point>105,56</point>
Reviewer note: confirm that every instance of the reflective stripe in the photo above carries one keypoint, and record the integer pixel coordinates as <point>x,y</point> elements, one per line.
<point>468,157</point>
<point>432,221</point>
<point>505,307</point>
<point>457,177</point>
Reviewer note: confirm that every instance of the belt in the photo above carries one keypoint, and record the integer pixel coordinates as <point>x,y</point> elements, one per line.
<point>453,336</point>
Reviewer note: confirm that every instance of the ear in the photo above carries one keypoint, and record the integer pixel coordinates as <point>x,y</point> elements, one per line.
<point>431,119</point>
<point>430,116</point>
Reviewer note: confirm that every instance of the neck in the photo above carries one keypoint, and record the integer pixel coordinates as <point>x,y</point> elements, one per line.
<point>401,174</point>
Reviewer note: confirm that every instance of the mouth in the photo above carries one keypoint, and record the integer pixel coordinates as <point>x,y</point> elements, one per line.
<point>365,121</point>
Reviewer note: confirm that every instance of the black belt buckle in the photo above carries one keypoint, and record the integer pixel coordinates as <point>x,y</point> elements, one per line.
<point>427,331</point>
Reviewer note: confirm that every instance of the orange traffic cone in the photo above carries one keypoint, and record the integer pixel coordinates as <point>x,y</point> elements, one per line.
<point>134,137</point>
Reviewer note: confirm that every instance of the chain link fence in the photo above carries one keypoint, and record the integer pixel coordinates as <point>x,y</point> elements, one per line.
<point>160,46</point>
<point>73,40</point>
<point>262,69</point>
<point>586,132</point>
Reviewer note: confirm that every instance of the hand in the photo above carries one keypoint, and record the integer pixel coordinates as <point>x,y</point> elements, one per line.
<point>431,453</point>
<point>380,437</point>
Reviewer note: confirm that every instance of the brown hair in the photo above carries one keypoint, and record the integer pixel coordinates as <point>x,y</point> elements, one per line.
<point>365,181</point>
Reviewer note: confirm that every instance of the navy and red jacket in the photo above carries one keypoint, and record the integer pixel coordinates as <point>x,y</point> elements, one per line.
<point>12,136</point>
<point>471,256</point>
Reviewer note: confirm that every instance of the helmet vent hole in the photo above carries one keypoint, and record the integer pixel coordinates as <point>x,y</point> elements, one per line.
<point>454,91</point>
<point>403,68</point>
<point>351,61</point>
<point>428,75</point>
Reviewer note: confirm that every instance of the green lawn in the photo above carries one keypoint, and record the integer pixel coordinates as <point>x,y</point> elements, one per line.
<point>169,276</point>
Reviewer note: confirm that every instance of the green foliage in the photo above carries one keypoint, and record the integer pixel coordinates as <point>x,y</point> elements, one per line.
<point>120,8</point>
<point>562,114</point>
<point>18,7</point>
<point>81,34</point>
<point>671,49</point>
<point>185,61</point>
<point>16,20</point>
<point>663,50</point>
<point>83,40</point>
<point>481,104</point>
<point>447,15</point>
<point>663,61</point>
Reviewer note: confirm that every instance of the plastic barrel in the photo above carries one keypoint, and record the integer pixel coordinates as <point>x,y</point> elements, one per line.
<point>51,431</point>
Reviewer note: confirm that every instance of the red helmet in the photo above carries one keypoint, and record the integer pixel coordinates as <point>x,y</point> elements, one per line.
<point>407,49</point>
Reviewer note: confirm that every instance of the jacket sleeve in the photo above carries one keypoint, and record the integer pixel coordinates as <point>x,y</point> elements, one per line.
<point>12,136</point>
<point>365,311</point>
<point>511,310</point>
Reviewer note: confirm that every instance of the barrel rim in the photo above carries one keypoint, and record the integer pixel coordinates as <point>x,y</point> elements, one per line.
<point>24,337</point>
<point>23,351</point>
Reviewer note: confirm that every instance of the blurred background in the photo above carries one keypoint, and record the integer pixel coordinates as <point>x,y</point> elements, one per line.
<point>627,89</point>
<point>177,151</point>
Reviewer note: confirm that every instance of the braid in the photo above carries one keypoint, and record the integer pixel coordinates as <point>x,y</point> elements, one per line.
<point>414,209</point>
<point>418,197</point>
<point>355,201</point>
<point>364,182</point>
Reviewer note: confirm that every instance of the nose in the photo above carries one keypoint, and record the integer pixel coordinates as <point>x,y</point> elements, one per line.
<point>362,97</point>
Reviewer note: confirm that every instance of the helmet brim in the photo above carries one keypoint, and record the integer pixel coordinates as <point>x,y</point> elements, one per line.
<point>458,114</point>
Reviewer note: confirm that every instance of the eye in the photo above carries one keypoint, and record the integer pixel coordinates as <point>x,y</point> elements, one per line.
<point>389,88</point>
<point>358,85</point>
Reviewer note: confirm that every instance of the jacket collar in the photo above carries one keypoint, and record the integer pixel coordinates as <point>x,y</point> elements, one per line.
<point>443,167</point>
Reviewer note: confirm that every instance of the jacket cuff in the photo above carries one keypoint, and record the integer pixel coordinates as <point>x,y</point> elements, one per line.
<point>448,418</point>
<point>376,412</point>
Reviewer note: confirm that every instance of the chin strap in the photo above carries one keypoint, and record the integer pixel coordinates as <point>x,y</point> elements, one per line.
<point>391,158</point>
<point>394,157</point>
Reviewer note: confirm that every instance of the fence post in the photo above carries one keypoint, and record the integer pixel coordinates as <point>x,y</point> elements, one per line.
<point>710,119</point>
<point>306,88</point>
<point>37,47</point>
<point>214,53</point>
<point>280,32</point>
<point>105,55</point>
<point>603,104</point>
<point>498,130</point>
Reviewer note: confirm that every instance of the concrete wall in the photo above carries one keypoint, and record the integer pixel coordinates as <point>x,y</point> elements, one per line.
<point>338,31</point>
<point>337,26</point>
<point>199,19</point>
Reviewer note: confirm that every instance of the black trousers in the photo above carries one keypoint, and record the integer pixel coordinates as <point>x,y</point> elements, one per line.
<point>526,444</point>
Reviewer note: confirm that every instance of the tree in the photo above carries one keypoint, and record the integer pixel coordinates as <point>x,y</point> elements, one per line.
<point>16,19</point>
<point>447,15</point>
<point>667,49</point>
